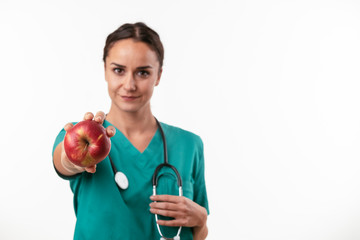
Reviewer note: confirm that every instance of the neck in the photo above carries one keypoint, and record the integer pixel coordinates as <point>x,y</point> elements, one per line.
<point>130,123</point>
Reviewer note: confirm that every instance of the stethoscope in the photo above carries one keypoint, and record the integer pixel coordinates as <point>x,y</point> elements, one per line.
<point>123,182</point>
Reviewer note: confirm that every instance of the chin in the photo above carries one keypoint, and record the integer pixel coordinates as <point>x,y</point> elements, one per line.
<point>130,107</point>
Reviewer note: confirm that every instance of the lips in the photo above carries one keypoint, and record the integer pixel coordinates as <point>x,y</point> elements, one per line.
<point>129,98</point>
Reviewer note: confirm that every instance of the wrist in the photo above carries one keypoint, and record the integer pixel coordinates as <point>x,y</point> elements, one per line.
<point>200,231</point>
<point>200,228</point>
<point>70,168</point>
<point>202,218</point>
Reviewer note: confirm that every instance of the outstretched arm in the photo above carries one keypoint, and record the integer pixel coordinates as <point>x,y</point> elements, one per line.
<point>62,162</point>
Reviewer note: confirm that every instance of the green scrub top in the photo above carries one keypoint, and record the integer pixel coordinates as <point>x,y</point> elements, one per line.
<point>104,212</point>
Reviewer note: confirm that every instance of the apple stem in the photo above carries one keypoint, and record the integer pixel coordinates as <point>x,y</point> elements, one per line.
<point>87,143</point>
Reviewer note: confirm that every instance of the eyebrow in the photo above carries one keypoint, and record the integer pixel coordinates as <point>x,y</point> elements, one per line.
<point>122,66</point>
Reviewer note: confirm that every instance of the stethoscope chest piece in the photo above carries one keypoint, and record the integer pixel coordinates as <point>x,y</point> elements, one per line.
<point>175,238</point>
<point>121,180</point>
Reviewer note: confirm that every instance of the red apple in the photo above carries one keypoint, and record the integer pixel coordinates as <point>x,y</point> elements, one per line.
<point>87,144</point>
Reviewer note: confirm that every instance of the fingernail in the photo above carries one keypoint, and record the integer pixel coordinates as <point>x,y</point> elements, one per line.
<point>151,197</point>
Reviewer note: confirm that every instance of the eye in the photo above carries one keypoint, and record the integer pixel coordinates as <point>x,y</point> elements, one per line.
<point>118,70</point>
<point>143,73</point>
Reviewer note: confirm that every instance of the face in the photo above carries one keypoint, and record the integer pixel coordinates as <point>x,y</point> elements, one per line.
<point>132,72</point>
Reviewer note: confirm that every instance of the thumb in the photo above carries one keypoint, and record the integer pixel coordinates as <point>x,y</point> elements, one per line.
<point>91,169</point>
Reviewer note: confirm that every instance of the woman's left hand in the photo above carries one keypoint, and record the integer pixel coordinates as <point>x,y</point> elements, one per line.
<point>184,211</point>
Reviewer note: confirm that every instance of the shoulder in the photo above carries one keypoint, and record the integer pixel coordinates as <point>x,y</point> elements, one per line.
<point>181,135</point>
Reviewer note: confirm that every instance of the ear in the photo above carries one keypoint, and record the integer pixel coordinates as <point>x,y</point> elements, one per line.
<point>159,76</point>
<point>105,71</point>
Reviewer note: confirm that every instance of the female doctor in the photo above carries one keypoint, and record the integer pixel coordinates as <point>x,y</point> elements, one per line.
<point>133,59</point>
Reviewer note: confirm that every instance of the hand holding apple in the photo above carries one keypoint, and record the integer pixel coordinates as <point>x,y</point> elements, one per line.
<point>86,144</point>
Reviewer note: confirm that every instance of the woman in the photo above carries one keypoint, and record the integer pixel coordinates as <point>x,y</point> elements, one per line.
<point>133,59</point>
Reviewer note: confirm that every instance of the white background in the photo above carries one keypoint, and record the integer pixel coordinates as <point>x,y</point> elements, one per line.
<point>272,87</point>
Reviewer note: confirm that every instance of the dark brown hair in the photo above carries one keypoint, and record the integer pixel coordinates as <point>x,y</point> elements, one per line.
<point>138,32</point>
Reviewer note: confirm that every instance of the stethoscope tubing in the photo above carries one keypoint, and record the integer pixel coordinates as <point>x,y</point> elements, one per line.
<point>155,179</point>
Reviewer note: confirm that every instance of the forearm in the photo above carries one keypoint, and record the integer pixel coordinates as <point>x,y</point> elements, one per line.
<point>201,231</point>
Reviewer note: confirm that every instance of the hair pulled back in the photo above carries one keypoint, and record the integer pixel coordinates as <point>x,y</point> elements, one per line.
<point>138,32</point>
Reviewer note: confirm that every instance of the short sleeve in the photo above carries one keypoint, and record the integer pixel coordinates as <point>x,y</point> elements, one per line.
<point>200,194</point>
<point>59,138</point>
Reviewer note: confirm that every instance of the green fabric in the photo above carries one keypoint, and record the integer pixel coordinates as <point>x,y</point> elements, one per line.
<point>105,213</point>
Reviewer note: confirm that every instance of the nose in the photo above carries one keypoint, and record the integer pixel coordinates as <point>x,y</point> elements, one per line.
<point>129,83</point>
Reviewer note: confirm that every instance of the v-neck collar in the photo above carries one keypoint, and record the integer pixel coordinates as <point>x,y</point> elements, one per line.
<point>119,136</point>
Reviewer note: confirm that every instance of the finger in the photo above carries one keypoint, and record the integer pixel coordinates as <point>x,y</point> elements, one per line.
<point>165,213</point>
<point>167,198</point>
<point>110,131</point>
<point>88,116</point>
<point>91,169</point>
<point>172,223</point>
<point>68,126</point>
<point>164,206</point>
<point>99,117</point>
